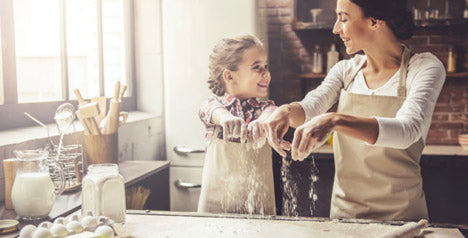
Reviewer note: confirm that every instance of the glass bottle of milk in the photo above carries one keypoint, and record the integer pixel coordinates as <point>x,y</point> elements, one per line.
<point>103,192</point>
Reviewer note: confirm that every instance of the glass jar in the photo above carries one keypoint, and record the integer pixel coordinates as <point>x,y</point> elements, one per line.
<point>103,192</point>
<point>317,60</point>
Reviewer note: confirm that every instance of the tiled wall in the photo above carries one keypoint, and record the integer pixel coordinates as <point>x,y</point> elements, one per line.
<point>289,56</point>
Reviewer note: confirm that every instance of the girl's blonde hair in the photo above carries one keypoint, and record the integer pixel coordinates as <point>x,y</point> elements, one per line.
<point>228,54</point>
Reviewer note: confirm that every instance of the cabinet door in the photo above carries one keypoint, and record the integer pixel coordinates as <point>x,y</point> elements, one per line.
<point>184,198</point>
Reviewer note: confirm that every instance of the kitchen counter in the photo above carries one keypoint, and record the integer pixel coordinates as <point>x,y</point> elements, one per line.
<point>183,224</point>
<point>133,173</point>
<point>449,150</point>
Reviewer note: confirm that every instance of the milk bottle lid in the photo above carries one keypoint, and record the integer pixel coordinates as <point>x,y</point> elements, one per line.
<point>7,226</point>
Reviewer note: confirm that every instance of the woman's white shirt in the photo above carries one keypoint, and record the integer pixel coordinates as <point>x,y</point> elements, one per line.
<point>425,78</point>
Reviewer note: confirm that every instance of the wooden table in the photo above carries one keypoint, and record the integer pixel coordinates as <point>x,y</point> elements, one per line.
<point>184,224</point>
<point>134,172</point>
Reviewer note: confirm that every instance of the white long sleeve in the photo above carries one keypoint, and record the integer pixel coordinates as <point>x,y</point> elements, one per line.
<point>425,78</point>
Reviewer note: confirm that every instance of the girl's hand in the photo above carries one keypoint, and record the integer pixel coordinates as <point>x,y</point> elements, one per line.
<point>311,135</point>
<point>233,127</point>
<point>256,136</point>
<point>275,126</point>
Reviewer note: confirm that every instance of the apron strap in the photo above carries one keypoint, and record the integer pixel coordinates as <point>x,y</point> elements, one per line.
<point>403,72</point>
<point>350,77</point>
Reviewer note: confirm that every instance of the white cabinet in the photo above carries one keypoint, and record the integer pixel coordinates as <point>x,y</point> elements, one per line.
<point>183,190</point>
<point>190,29</point>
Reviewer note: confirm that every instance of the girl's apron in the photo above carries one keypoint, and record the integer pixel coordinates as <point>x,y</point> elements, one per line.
<point>374,182</point>
<point>237,180</point>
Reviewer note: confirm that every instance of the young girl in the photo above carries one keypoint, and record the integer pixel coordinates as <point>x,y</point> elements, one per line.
<point>238,173</point>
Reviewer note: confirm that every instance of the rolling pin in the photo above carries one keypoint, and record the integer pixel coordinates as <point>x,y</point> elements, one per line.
<point>409,230</point>
<point>111,121</point>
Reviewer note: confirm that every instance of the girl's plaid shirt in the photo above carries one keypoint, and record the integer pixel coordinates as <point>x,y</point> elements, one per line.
<point>249,110</point>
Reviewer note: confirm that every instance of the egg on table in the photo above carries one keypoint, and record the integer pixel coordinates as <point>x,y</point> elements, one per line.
<point>42,232</point>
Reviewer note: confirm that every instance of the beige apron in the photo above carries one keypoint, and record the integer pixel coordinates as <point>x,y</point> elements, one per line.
<point>237,180</point>
<point>373,182</point>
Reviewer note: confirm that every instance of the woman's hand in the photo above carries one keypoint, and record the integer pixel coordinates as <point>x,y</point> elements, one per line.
<point>275,127</point>
<point>233,127</point>
<point>311,135</point>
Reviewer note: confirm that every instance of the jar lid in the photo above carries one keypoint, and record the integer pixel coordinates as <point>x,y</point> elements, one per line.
<point>7,226</point>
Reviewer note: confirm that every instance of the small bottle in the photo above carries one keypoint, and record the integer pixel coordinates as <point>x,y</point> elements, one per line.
<point>317,57</point>
<point>451,60</point>
<point>465,13</point>
<point>332,57</point>
<point>103,192</point>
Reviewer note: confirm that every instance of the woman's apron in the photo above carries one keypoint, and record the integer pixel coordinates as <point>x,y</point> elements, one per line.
<point>374,182</point>
<point>237,180</point>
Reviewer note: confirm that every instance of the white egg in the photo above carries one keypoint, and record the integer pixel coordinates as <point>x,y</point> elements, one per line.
<point>105,231</point>
<point>46,224</point>
<point>103,220</point>
<point>42,232</point>
<point>74,227</point>
<point>59,230</point>
<point>60,220</point>
<point>27,231</point>
<point>89,223</point>
<point>74,217</point>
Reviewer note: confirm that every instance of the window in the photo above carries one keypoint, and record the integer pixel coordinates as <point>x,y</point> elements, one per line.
<point>55,46</point>
<point>1,72</point>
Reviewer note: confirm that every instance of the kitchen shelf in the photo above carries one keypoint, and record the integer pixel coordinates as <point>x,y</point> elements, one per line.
<point>419,24</point>
<point>441,22</point>
<point>460,75</point>
<point>312,76</point>
<point>300,25</point>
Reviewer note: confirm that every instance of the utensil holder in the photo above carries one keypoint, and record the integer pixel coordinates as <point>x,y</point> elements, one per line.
<point>102,149</point>
<point>71,160</point>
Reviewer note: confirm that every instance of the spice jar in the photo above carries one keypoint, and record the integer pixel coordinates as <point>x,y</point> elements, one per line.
<point>451,60</point>
<point>103,192</point>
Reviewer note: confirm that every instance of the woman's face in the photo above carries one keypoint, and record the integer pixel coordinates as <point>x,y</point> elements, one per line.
<point>252,77</point>
<point>352,27</point>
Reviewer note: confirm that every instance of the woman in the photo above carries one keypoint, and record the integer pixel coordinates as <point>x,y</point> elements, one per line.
<point>386,98</point>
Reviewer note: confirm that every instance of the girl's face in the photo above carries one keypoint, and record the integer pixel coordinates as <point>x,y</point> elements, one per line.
<point>252,77</point>
<point>354,29</point>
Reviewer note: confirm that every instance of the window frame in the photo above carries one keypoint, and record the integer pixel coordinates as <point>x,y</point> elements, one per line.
<point>12,112</point>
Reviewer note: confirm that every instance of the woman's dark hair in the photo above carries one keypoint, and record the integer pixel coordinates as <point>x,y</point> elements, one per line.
<point>393,12</point>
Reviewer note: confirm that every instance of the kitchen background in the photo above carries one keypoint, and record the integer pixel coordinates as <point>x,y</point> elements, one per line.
<point>291,46</point>
<point>168,70</point>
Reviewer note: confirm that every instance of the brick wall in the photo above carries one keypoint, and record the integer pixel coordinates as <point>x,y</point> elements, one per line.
<point>289,55</point>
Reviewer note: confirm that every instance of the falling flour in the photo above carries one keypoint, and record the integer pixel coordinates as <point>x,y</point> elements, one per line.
<point>246,193</point>
<point>290,189</point>
<point>313,187</point>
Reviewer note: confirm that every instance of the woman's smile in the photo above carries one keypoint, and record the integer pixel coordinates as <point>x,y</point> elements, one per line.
<point>262,85</point>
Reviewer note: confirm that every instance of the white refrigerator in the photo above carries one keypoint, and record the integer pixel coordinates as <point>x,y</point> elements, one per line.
<point>190,29</point>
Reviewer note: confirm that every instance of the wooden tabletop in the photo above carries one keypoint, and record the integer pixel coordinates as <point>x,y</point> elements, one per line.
<point>142,224</point>
<point>132,172</point>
